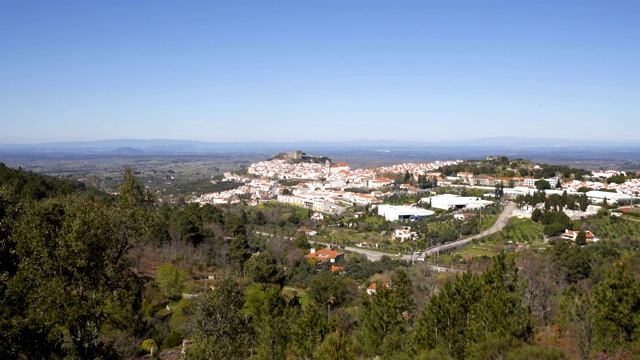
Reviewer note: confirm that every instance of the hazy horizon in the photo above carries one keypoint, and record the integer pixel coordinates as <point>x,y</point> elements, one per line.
<point>319,71</point>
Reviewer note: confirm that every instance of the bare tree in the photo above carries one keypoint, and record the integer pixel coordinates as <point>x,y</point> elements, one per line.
<point>543,282</point>
<point>580,316</point>
<point>424,284</point>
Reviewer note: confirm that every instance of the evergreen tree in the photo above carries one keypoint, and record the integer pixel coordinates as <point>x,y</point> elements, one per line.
<point>222,330</point>
<point>263,268</point>
<point>309,330</point>
<point>385,316</point>
<point>564,199</point>
<point>474,309</point>
<point>171,280</point>
<point>239,250</point>
<point>270,316</point>
<point>617,305</point>
<point>584,202</point>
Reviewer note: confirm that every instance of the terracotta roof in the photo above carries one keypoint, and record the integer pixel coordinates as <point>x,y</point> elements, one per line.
<point>323,255</point>
<point>373,286</point>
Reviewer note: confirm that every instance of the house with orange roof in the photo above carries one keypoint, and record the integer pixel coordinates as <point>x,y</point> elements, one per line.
<point>324,255</point>
<point>339,167</point>
<point>372,288</point>
<point>505,180</point>
<point>410,188</point>
<point>308,231</point>
<point>483,180</point>
<point>379,182</point>
<point>572,235</point>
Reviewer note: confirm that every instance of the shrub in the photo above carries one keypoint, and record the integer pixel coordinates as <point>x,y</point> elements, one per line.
<point>174,339</point>
<point>147,345</point>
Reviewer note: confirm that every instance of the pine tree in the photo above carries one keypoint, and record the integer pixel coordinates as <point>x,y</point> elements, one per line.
<point>584,202</point>
<point>221,329</point>
<point>239,250</point>
<point>617,304</point>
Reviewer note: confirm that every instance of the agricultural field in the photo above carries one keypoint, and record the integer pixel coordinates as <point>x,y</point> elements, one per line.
<point>611,228</point>
<point>165,176</point>
<point>523,231</point>
<point>520,231</point>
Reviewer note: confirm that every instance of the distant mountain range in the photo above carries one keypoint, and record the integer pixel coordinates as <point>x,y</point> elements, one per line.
<point>509,146</point>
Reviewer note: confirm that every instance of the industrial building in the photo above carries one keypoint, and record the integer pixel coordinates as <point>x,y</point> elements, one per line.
<point>450,201</point>
<point>402,213</point>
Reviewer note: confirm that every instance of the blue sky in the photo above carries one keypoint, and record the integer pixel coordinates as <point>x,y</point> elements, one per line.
<point>319,70</point>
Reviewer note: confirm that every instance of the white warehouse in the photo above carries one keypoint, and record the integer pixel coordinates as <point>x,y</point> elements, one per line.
<point>451,201</point>
<point>598,196</point>
<point>393,212</point>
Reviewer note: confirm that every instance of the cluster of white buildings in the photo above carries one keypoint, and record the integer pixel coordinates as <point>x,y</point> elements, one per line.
<point>320,192</point>
<point>340,175</point>
<point>488,180</point>
<point>607,174</point>
<point>283,169</point>
<point>231,177</point>
<point>326,200</point>
<point>428,169</point>
<point>629,187</point>
<point>257,189</point>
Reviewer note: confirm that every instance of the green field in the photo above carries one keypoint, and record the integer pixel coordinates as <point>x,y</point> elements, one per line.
<point>611,228</point>
<point>520,231</point>
<point>290,291</point>
<point>517,231</point>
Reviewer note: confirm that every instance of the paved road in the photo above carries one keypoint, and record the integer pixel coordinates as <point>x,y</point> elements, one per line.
<point>502,221</point>
<point>377,255</point>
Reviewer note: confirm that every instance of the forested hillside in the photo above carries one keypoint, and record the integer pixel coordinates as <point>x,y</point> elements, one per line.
<point>93,276</point>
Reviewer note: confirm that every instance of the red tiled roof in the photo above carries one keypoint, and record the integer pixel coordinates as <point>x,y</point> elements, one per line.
<point>323,254</point>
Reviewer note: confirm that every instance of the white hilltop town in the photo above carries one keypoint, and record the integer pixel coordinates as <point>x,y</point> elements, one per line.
<point>315,183</point>
<point>322,185</point>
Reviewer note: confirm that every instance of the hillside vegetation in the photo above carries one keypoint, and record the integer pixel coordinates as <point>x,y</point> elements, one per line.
<point>94,276</point>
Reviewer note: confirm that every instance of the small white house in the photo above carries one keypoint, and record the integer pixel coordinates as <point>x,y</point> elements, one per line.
<point>573,235</point>
<point>405,233</point>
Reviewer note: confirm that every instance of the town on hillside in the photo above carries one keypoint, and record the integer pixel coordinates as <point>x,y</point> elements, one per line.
<point>297,242</point>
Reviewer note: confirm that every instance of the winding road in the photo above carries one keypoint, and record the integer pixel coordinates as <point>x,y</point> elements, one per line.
<point>372,255</point>
<point>502,221</point>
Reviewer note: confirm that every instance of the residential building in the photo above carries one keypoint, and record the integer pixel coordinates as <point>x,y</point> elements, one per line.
<point>324,255</point>
<point>308,231</point>
<point>572,235</point>
<point>405,233</point>
<point>372,288</point>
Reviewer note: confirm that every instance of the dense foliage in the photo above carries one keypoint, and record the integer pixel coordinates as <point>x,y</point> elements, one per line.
<point>109,277</point>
